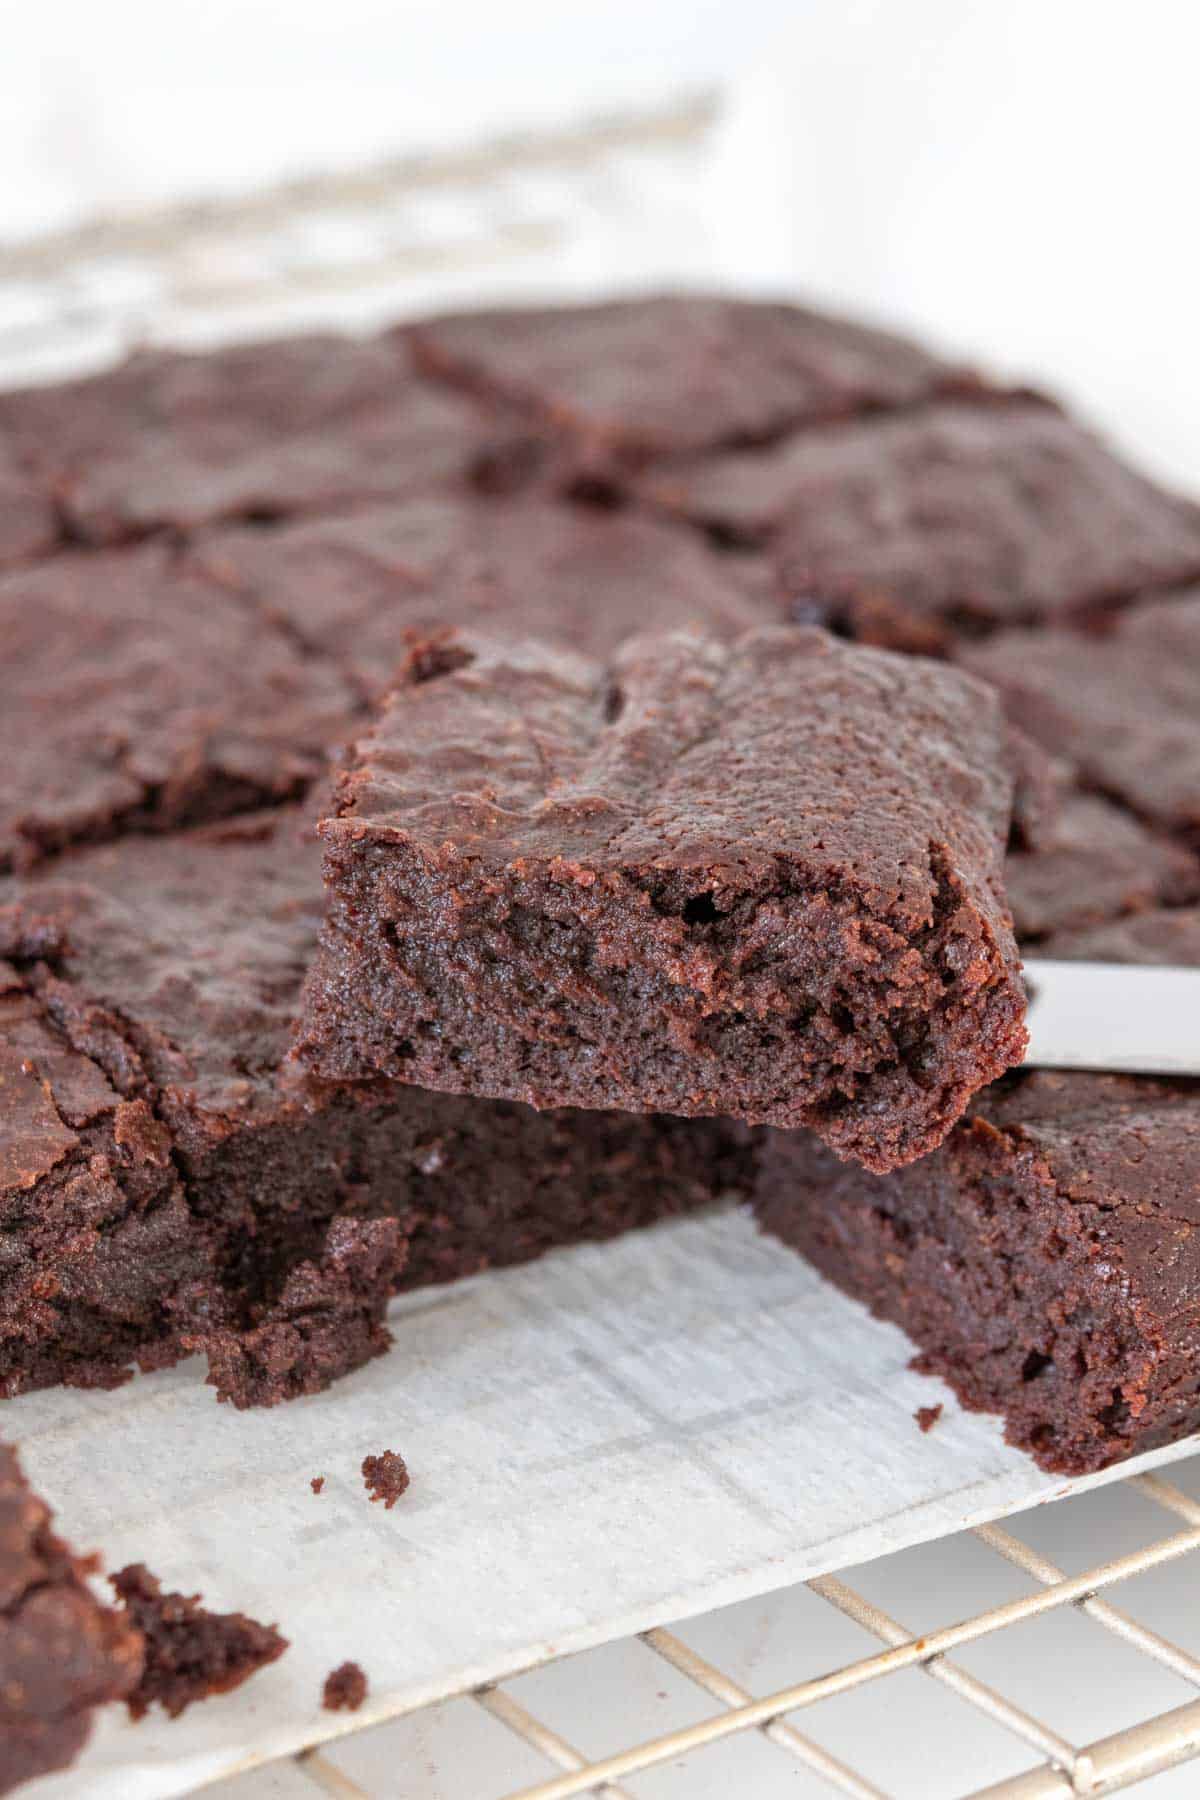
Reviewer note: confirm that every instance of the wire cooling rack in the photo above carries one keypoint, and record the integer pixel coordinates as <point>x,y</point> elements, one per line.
<point>983,1665</point>
<point>610,202</point>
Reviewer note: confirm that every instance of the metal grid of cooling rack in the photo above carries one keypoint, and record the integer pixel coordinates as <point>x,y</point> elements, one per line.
<point>1060,1768</point>
<point>610,201</point>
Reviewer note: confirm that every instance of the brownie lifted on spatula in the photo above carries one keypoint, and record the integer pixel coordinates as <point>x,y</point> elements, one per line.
<point>759,879</point>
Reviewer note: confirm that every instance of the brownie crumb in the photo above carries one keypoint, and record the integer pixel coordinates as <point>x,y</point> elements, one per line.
<point>385,1477</point>
<point>928,1416</point>
<point>345,1688</point>
<point>317,1483</point>
<point>190,1652</point>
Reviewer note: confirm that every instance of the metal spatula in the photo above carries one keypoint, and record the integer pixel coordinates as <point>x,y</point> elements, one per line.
<point>1124,1017</point>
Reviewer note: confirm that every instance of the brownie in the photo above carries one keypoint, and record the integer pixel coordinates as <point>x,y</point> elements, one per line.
<point>345,1688</point>
<point>671,373</point>
<point>99,1253</point>
<point>954,518</point>
<point>62,1653</point>
<point>170,1180</point>
<point>28,522</point>
<point>323,1317</point>
<point>349,587</point>
<point>757,879</point>
<point>1045,1260</point>
<point>385,1477</point>
<point>1169,936</point>
<point>1122,704</point>
<point>1092,862</point>
<point>191,1653</point>
<point>139,695</point>
<point>261,431</point>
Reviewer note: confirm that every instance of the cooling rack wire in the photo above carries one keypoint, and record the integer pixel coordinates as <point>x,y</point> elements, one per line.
<point>789,1718</point>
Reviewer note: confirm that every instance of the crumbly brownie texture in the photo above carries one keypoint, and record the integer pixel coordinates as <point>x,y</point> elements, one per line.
<point>385,1477</point>
<point>257,431</point>
<point>100,1254</point>
<point>326,1318</point>
<point>928,1416</point>
<point>28,523</point>
<point>169,1181</point>
<point>677,373</point>
<point>345,1688</point>
<point>317,1483</point>
<point>1046,1260</point>
<point>1091,862</point>
<point>191,1653</point>
<point>349,588</point>
<point>955,518</point>
<point>1121,704</point>
<point>61,1652</point>
<point>1169,936</point>
<point>758,879</point>
<point>136,695</point>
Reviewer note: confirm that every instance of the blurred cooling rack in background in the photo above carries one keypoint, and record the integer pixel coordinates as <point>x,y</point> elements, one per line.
<point>613,202</point>
<point>1056,1655</point>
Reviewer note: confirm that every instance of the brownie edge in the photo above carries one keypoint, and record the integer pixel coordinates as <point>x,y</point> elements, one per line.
<point>1045,1261</point>
<point>62,1653</point>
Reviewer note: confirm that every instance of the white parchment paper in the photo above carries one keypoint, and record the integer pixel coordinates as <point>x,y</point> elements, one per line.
<point>615,1437</point>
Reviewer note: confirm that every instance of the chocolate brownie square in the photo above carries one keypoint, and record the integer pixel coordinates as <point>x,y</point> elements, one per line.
<point>665,373</point>
<point>350,587</point>
<point>1122,704</point>
<point>170,1181</point>
<point>758,879</point>
<point>62,1654</point>
<point>954,518</point>
<point>1045,1260</point>
<point>253,431</point>
<point>138,695</point>
<point>1091,862</point>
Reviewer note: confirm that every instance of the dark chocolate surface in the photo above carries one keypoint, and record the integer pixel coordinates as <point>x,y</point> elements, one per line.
<point>953,518</point>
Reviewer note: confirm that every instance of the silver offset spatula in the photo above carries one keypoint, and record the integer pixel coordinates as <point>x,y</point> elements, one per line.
<point>1125,1017</point>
